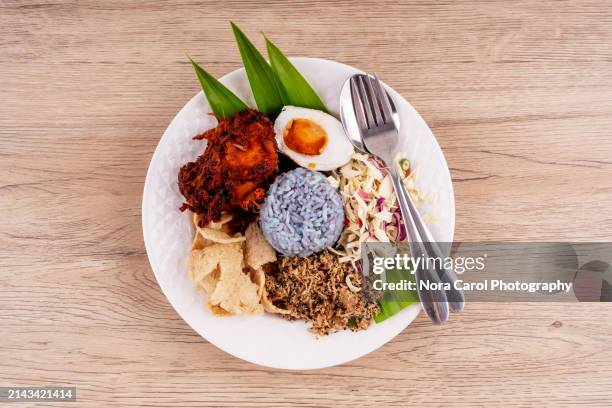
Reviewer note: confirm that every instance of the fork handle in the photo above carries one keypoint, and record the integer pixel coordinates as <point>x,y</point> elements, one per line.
<point>455,296</point>
<point>435,301</point>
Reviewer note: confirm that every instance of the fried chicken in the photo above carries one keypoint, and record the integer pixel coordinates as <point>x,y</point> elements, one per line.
<point>235,170</point>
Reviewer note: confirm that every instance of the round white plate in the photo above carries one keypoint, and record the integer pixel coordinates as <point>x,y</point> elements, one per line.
<point>269,340</point>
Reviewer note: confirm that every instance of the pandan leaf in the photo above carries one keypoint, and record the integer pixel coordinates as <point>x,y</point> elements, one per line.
<point>269,96</point>
<point>298,90</point>
<point>394,302</point>
<point>223,102</point>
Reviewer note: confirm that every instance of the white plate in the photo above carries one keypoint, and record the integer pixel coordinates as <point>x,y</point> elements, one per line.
<point>269,340</point>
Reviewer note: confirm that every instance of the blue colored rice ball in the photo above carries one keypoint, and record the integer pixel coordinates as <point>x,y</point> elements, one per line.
<point>302,213</point>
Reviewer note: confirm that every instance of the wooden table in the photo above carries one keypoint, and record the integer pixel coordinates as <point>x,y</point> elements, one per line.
<point>519,95</point>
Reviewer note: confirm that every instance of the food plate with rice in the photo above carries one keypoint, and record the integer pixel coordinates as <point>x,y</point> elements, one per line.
<point>253,217</point>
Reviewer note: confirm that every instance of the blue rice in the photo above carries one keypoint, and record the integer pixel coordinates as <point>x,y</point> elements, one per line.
<point>302,213</point>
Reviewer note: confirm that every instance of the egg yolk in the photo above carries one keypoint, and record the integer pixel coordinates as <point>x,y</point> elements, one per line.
<point>305,136</point>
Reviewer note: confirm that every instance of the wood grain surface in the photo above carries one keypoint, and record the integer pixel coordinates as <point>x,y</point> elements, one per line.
<point>519,95</point>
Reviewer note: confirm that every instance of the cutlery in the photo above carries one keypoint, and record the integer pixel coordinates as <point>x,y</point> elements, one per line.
<point>456,297</point>
<point>376,132</point>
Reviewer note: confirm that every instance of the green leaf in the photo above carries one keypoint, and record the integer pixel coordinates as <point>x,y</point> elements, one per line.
<point>298,90</point>
<point>223,102</point>
<point>268,94</point>
<point>395,301</point>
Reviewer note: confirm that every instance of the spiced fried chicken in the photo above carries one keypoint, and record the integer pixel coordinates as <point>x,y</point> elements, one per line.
<point>235,170</point>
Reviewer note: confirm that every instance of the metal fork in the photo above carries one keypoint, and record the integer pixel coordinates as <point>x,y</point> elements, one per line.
<point>378,123</point>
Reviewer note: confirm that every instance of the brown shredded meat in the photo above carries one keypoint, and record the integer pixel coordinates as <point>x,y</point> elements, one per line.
<point>234,172</point>
<point>314,288</point>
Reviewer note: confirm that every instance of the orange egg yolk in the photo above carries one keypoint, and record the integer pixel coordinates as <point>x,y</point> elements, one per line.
<point>305,136</point>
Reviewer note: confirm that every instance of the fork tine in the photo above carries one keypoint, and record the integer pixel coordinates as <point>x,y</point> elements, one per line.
<point>384,99</point>
<point>374,100</point>
<point>366,102</point>
<point>357,104</point>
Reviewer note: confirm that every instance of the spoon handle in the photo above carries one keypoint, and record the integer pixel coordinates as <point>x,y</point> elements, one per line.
<point>455,296</point>
<point>434,301</point>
